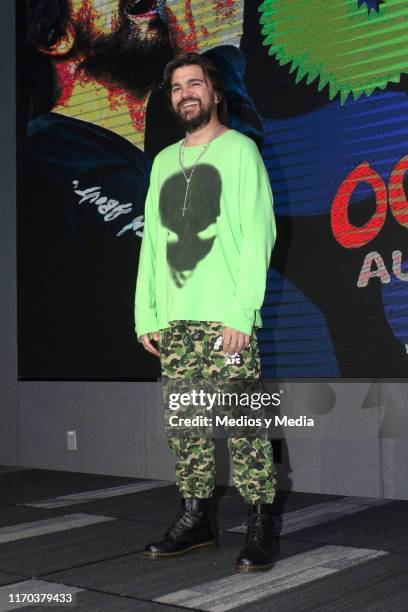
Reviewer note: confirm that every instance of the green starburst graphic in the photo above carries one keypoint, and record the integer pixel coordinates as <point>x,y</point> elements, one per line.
<point>342,44</point>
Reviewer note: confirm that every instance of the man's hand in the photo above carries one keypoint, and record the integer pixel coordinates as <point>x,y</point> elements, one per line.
<point>145,340</point>
<point>198,26</point>
<point>233,341</point>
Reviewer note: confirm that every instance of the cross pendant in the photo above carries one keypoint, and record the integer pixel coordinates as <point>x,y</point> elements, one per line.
<point>185,197</point>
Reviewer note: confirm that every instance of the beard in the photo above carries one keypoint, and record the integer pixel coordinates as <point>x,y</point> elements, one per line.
<point>124,57</point>
<point>197,121</point>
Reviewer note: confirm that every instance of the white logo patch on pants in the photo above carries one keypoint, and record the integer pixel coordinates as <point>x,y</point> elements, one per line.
<point>235,359</point>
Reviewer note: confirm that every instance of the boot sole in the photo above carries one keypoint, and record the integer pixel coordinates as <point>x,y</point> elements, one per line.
<point>151,555</point>
<point>254,568</point>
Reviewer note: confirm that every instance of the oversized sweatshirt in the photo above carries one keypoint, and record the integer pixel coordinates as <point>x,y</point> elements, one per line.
<point>205,257</point>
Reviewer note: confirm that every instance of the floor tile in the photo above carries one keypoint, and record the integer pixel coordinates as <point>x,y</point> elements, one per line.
<point>58,524</point>
<point>91,496</point>
<point>378,585</point>
<point>26,486</point>
<point>149,578</point>
<point>238,590</point>
<point>383,527</point>
<point>57,551</point>
<point>7,578</point>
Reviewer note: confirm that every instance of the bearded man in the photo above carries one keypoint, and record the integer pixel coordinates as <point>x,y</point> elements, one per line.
<point>209,232</point>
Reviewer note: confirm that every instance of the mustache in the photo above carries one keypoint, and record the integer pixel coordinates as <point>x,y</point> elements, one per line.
<point>134,65</point>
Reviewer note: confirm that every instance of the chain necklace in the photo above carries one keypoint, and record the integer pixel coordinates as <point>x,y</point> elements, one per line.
<point>184,170</point>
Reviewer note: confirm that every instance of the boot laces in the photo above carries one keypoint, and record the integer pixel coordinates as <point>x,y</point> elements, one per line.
<point>185,520</point>
<point>255,528</point>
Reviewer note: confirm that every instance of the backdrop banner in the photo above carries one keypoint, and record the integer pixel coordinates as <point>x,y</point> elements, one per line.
<point>322,88</point>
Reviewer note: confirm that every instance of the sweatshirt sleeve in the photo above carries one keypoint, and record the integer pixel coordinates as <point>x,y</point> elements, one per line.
<point>145,297</point>
<point>258,234</point>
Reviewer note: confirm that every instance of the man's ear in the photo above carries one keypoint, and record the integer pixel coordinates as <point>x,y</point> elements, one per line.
<point>62,46</point>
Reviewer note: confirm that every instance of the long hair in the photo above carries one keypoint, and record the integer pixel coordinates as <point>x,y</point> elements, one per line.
<point>210,72</point>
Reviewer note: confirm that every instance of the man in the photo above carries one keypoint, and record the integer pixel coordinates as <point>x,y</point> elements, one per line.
<point>209,231</point>
<point>94,69</point>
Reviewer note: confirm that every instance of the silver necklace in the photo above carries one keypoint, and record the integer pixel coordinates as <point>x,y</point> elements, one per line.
<point>184,170</point>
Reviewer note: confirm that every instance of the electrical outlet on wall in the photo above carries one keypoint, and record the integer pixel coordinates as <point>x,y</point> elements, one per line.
<point>71,440</point>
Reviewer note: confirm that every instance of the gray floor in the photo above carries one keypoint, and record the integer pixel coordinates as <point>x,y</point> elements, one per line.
<point>83,535</point>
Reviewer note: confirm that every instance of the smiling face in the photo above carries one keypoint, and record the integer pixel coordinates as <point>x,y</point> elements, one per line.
<point>192,97</point>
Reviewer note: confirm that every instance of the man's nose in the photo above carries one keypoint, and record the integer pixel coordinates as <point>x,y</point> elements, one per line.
<point>186,92</point>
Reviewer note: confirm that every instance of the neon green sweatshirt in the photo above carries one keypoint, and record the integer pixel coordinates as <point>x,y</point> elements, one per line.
<point>209,261</point>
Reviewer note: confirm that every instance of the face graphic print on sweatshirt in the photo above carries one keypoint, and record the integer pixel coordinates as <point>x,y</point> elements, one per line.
<point>185,247</point>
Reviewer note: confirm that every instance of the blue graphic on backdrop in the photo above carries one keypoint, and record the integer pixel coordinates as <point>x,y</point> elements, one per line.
<point>295,340</point>
<point>308,156</point>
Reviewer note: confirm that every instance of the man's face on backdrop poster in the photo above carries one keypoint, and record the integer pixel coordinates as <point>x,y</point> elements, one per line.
<point>123,40</point>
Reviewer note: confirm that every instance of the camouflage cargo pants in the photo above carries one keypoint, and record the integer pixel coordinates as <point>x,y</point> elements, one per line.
<point>191,349</point>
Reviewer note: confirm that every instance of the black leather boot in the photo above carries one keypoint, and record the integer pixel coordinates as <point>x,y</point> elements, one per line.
<point>192,530</point>
<point>260,550</point>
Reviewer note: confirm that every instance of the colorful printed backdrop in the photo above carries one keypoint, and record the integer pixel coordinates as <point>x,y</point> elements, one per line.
<point>321,86</point>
